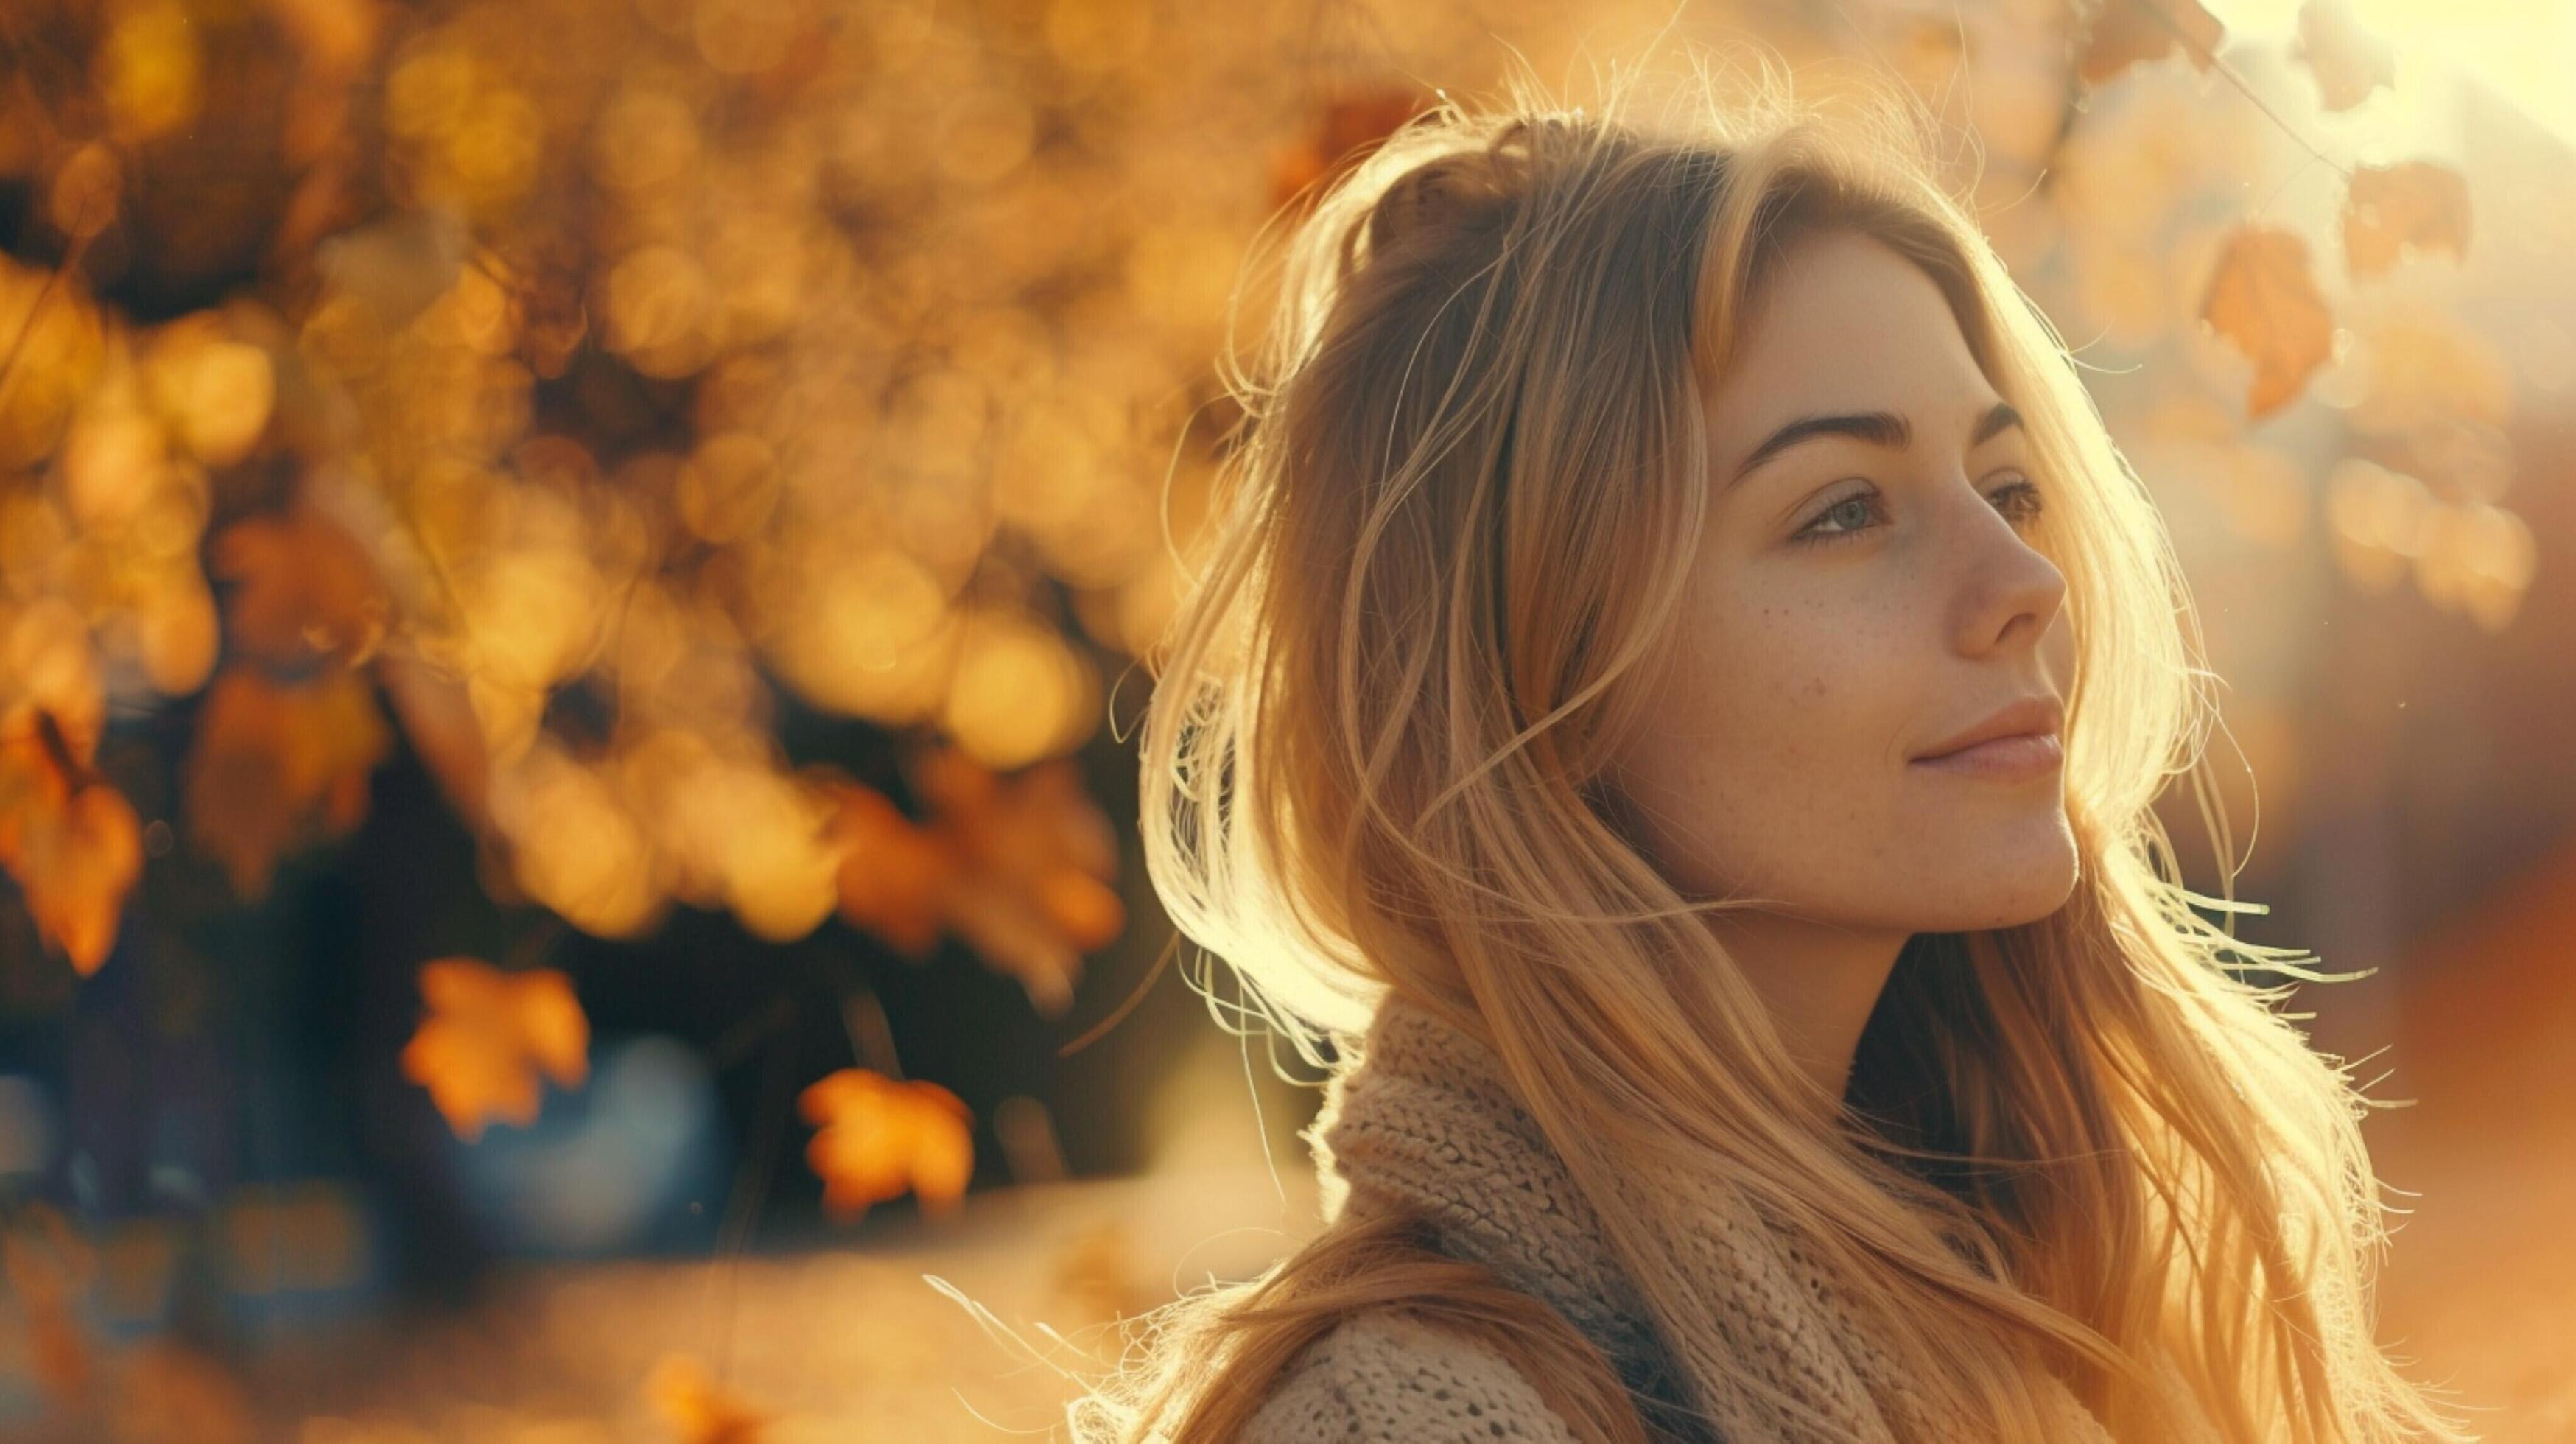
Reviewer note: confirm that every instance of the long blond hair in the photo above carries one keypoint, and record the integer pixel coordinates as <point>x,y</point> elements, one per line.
<point>1442,568</point>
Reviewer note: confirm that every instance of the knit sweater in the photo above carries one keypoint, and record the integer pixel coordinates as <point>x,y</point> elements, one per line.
<point>1427,1116</point>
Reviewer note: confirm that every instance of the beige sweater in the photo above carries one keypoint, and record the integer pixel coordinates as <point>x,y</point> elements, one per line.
<point>1426,1116</point>
<point>1382,1378</point>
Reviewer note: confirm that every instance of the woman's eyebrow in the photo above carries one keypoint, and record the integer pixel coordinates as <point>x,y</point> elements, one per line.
<point>1878,428</point>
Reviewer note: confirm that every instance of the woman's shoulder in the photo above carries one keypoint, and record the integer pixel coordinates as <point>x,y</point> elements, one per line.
<point>1385,1376</point>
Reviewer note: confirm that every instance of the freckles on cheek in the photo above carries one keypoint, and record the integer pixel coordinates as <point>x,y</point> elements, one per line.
<point>1801,725</point>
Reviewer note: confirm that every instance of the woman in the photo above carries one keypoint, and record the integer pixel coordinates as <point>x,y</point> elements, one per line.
<point>1674,700</point>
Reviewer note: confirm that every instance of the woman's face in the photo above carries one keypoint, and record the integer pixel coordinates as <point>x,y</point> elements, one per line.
<point>1861,596</point>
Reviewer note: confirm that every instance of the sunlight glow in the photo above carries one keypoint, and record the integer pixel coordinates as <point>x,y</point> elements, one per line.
<point>2524,50</point>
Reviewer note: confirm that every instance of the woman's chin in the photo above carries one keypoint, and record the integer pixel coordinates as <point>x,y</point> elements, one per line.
<point>2002,887</point>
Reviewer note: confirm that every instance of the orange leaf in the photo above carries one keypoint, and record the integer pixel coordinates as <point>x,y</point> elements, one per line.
<point>2262,297</point>
<point>1018,867</point>
<point>1012,936</point>
<point>1036,849</point>
<point>77,865</point>
<point>29,780</point>
<point>488,1035</point>
<point>305,587</point>
<point>1080,906</point>
<point>882,1137</point>
<point>273,767</point>
<point>73,843</point>
<point>2349,61</point>
<point>698,1409</point>
<point>2416,203</point>
<point>894,875</point>
<point>2130,32</point>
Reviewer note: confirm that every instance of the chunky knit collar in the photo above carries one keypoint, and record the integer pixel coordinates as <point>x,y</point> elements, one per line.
<point>1426,1115</point>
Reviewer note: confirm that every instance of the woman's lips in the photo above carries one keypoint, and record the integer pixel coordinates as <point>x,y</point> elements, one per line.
<point>2008,759</point>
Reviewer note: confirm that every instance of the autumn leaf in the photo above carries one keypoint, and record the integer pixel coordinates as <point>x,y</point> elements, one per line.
<point>2263,298</point>
<point>273,767</point>
<point>71,840</point>
<point>698,1409</point>
<point>2389,208</point>
<point>488,1035</point>
<point>882,1137</point>
<point>1032,897</point>
<point>1341,128</point>
<point>77,862</point>
<point>303,587</point>
<point>2122,33</point>
<point>895,876</point>
<point>2349,61</point>
<point>1015,866</point>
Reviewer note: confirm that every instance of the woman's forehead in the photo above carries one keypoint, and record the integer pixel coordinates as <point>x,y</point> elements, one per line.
<point>1858,332</point>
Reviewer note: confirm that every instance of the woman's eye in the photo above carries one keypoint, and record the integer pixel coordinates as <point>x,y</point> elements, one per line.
<point>1849,517</point>
<point>2026,503</point>
<point>1841,521</point>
